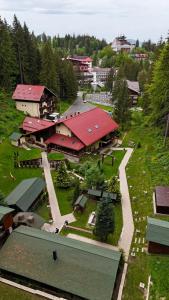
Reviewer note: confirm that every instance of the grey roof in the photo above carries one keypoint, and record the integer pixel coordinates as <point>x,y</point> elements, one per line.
<point>81,201</point>
<point>24,195</point>
<point>98,193</point>
<point>30,219</point>
<point>92,192</point>
<point>133,85</point>
<point>157,231</point>
<point>81,269</point>
<point>112,196</point>
<point>15,136</point>
<point>5,211</point>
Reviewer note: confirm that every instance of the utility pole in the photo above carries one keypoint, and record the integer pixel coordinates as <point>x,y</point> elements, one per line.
<point>166,130</point>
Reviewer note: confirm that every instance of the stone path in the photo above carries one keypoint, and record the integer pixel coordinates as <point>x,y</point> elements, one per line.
<point>58,220</point>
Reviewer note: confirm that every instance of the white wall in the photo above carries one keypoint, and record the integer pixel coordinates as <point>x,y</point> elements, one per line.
<point>28,107</point>
<point>62,129</point>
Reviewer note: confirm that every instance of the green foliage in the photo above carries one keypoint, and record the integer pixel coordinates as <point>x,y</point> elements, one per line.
<point>122,103</point>
<point>104,220</point>
<point>94,177</point>
<point>76,191</point>
<point>113,187</point>
<point>63,179</point>
<point>159,88</point>
<point>2,197</point>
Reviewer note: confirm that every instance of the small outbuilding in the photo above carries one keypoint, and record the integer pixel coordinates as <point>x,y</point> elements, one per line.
<point>26,194</point>
<point>16,138</point>
<point>162,199</point>
<point>6,217</point>
<point>97,194</point>
<point>80,203</point>
<point>157,236</point>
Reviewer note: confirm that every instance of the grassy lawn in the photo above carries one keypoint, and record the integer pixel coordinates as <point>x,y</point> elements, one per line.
<point>55,156</point>
<point>64,105</point>
<point>7,183</point>
<point>10,117</point>
<point>104,107</point>
<point>147,168</point>
<point>11,293</point>
<point>82,218</point>
<point>44,211</point>
<point>110,170</point>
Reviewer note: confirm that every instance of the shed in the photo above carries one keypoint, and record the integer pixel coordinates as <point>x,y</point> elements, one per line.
<point>6,217</point>
<point>16,138</point>
<point>80,203</point>
<point>162,199</point>
<point>94,193</point>
<point>77,270</point>
<point>26,194</point>
<point>157,236</point>
<point>100,194</point>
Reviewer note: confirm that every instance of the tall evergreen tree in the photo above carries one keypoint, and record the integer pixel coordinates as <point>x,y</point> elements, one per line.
<point>68,81</point>
<point>48,76</point>
<point>159,88</point>
<point>122,102</point>
<point>104,220</point>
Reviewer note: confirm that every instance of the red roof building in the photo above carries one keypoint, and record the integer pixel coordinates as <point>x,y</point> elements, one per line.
<point>91,125</point>
<point>34,124</point>
<point>35,100</point>
<point>65,142</point>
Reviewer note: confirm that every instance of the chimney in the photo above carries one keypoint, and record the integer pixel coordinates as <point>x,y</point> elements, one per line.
<point>54,255</point>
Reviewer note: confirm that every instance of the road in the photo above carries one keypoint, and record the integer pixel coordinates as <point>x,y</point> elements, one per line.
<point>78,105</point>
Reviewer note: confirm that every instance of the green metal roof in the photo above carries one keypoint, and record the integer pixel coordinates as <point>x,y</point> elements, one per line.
<point>81,201</point>
<point>4,211</point>
<point>25,193</point>
<point>157,231</point>
<point>81,269</point>
<point>96,193</point>
<point>112,196</point>
<point>15,136</point>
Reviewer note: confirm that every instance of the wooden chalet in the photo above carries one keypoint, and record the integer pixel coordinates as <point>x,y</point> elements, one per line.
<point>34,100</point>
<point>133,90</point>
<point>157,236</point>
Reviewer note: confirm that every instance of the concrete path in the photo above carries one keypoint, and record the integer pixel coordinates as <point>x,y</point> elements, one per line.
<point>90,241</point>
<point>128,224</point>
<point>58,220</point>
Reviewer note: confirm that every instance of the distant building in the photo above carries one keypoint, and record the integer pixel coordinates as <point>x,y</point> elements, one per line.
<point>157,236</point>
<point>121,44</point>
<point>34,100</point>
<point>100,74</point>
<point>140,56</point>
<point>65,267</point>
<point>134,90</point>
<point>82,66</point>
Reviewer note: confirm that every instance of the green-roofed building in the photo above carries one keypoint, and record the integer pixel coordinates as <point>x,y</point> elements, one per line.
<point>6,217</point>
<point>70,268</point>
<point>16,138</point>
<point>99,194</point>
<point>26,194</point>
<point>80,203</point>
<point>157,236</point>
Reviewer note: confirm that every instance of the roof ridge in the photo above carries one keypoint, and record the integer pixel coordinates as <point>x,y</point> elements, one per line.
<point>71,246</point>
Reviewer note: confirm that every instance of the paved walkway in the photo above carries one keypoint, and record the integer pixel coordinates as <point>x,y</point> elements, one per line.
<point>58,220</point>
<point>90,241</point>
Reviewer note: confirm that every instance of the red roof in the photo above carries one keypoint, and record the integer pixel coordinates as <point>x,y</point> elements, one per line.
<point>28,92</point>
<point>91,126</point>
<point>65,141</point>
<point>81,58</point>
<point>34,124</point>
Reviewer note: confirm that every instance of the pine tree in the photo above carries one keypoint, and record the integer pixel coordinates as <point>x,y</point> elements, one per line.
<point>48,76</point>
<point>122,102</point>
<point>62,177</point>
<point>68,81</point>
<point>104,220</point>
<point>110,80</point>
<point>7,58</point>
<point>159,88</point>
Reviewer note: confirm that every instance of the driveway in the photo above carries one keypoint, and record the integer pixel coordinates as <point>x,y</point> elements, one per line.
<point>78,106</point>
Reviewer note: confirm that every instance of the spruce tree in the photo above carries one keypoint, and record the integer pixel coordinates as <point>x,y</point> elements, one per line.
<point>48,76</point>
<point>113,187</point>
<point>62,177</point>
<point>105,223</point>
<point>122,103</point>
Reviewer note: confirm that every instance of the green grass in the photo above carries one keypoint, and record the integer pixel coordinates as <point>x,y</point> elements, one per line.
<point>10,293</point>
<point>55,156</point>
<point>28,154</point>
<point>64,105</point>
<point>7,184</point>
<point>10,118</point>
<point>82,218</point>
<point>104,107</point>
<point>110,170</point>
<point>146,169</point>
<point>44,211</point>
<point>65,200</point>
